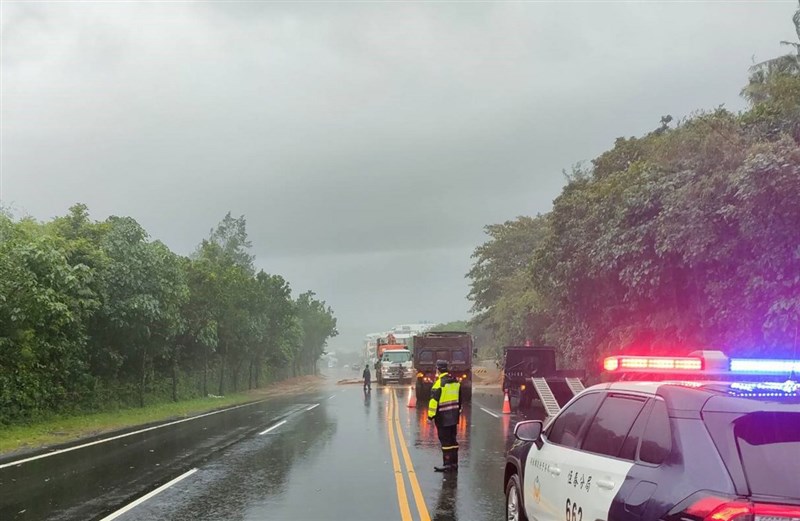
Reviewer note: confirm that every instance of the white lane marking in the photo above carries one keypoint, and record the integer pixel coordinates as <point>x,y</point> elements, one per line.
<point>490,412</point>
<point>97,442</point>
<point>313,407</point>
<point>147,496</point>
<point>331,397</point>
<point>272,428</point>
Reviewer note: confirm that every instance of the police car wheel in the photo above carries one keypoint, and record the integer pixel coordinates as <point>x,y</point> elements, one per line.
<point>514,509</point>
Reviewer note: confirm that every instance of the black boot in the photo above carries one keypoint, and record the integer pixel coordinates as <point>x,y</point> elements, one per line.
<point>449,461</point>
<point>444,466</point>
<point>454,459</point>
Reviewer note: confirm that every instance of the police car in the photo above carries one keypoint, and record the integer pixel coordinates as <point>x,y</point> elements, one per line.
<point>703,437</point>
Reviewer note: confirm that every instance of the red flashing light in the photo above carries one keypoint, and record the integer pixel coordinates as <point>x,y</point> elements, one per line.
<point>653,363</point>
<point>705,507</point>
<point>763,510</point>
<point>718,509</point>
<point>733,511</point>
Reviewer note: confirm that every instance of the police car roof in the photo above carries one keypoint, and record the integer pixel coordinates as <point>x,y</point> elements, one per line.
<point>721,395</point>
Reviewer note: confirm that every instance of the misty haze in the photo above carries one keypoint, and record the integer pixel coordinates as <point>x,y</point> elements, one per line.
<point>253,255</point>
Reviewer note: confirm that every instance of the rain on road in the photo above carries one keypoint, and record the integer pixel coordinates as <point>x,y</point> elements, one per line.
<point>334,453</point>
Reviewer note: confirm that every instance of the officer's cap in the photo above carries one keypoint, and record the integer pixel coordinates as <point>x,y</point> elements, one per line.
<point>441,365</point>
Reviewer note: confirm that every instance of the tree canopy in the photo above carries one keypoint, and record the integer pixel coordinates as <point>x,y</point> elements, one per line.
<point>96,314</point>
<point>687,237</point>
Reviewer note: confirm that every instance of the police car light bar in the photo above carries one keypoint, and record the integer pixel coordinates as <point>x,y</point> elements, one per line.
<point>651,364</point>
<point>765,389</point>
<point>764,366</point>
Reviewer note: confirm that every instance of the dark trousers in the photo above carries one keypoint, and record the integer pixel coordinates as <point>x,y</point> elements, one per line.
<point>447,437</point>
<point>367,384</point>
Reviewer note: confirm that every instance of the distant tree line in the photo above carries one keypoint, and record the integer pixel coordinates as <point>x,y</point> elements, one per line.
<point>96,315</point>
<point>481,335</point>
<point>456,325</point>
<point>686,237</point>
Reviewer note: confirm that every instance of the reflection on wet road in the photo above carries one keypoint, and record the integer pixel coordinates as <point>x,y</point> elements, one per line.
<point>334,454</point>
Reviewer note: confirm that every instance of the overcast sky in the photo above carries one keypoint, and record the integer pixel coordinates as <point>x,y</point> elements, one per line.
<point>367,144</point>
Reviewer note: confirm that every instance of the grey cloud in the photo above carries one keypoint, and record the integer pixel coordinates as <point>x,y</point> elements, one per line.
<point>378,138</point>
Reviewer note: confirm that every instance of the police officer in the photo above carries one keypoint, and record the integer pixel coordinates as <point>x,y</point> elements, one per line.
<point>367,379</point>
<point>444,408</point>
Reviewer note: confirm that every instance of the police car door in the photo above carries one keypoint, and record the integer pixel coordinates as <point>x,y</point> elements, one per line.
<point>544,480</point>
<point>595,473</point>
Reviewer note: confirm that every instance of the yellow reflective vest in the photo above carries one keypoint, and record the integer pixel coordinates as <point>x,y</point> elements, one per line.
<point>445,403</point>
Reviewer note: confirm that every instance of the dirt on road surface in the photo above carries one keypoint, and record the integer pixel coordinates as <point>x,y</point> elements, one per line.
<point>290,386</point>
<point>350,381</point>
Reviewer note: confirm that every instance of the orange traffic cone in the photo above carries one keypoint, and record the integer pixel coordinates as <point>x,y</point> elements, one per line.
<point>506,404</point>
<point>412,398</point>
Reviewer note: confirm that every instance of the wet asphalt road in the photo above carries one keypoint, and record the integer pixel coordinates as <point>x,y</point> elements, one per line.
<point>336,453</point>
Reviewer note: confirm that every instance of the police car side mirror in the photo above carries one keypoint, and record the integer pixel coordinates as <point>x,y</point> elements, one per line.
<point>530,430</point>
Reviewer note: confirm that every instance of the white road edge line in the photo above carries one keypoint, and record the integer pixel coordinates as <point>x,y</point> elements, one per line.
<point>490,412</point>
<point>147,496</point>
<point>273,427</point>
<point>313,407</point>
<point>97,442</point>
<point>331,397</point>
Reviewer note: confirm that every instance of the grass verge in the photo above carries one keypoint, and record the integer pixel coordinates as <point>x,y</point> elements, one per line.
<point>62,429</point>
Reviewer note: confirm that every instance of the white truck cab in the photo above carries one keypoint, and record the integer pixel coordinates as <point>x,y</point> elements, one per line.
<point>396,365</point>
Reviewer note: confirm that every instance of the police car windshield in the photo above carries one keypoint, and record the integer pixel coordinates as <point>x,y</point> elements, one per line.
<point>397,356</point>
<point>769,445</point>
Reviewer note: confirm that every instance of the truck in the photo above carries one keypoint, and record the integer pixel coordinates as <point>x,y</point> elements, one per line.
<point>455,347</point>
<point>530,373</point>
<point>394,362</point>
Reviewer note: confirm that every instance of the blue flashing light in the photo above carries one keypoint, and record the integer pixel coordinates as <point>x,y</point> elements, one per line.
<point>762,395</point>
<point>765,389</point>
<point>764,366</point>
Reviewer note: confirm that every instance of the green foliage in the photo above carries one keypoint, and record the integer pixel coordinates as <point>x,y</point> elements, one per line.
<point>316,324</point>
<point>96,315</point>
<point>43,306</point>
<point>456,325</point>
<point>687,236</point>
<point>482,336</point>
<point>504,298</point>
<point>507,251</point>
<point>757,90</point>
<point>66,428</point>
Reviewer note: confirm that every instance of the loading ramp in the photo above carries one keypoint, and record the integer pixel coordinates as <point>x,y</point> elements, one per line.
<point>546,396</point>
<point>575,385</point>
<point>530,373</point>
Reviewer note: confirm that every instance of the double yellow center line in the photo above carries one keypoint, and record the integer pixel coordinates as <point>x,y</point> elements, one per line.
<point>402,498</point>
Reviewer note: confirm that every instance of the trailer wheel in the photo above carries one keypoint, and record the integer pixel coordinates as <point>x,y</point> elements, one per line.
<point>525,399</point>
<point>466,393</point>
<point>422,390</point>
